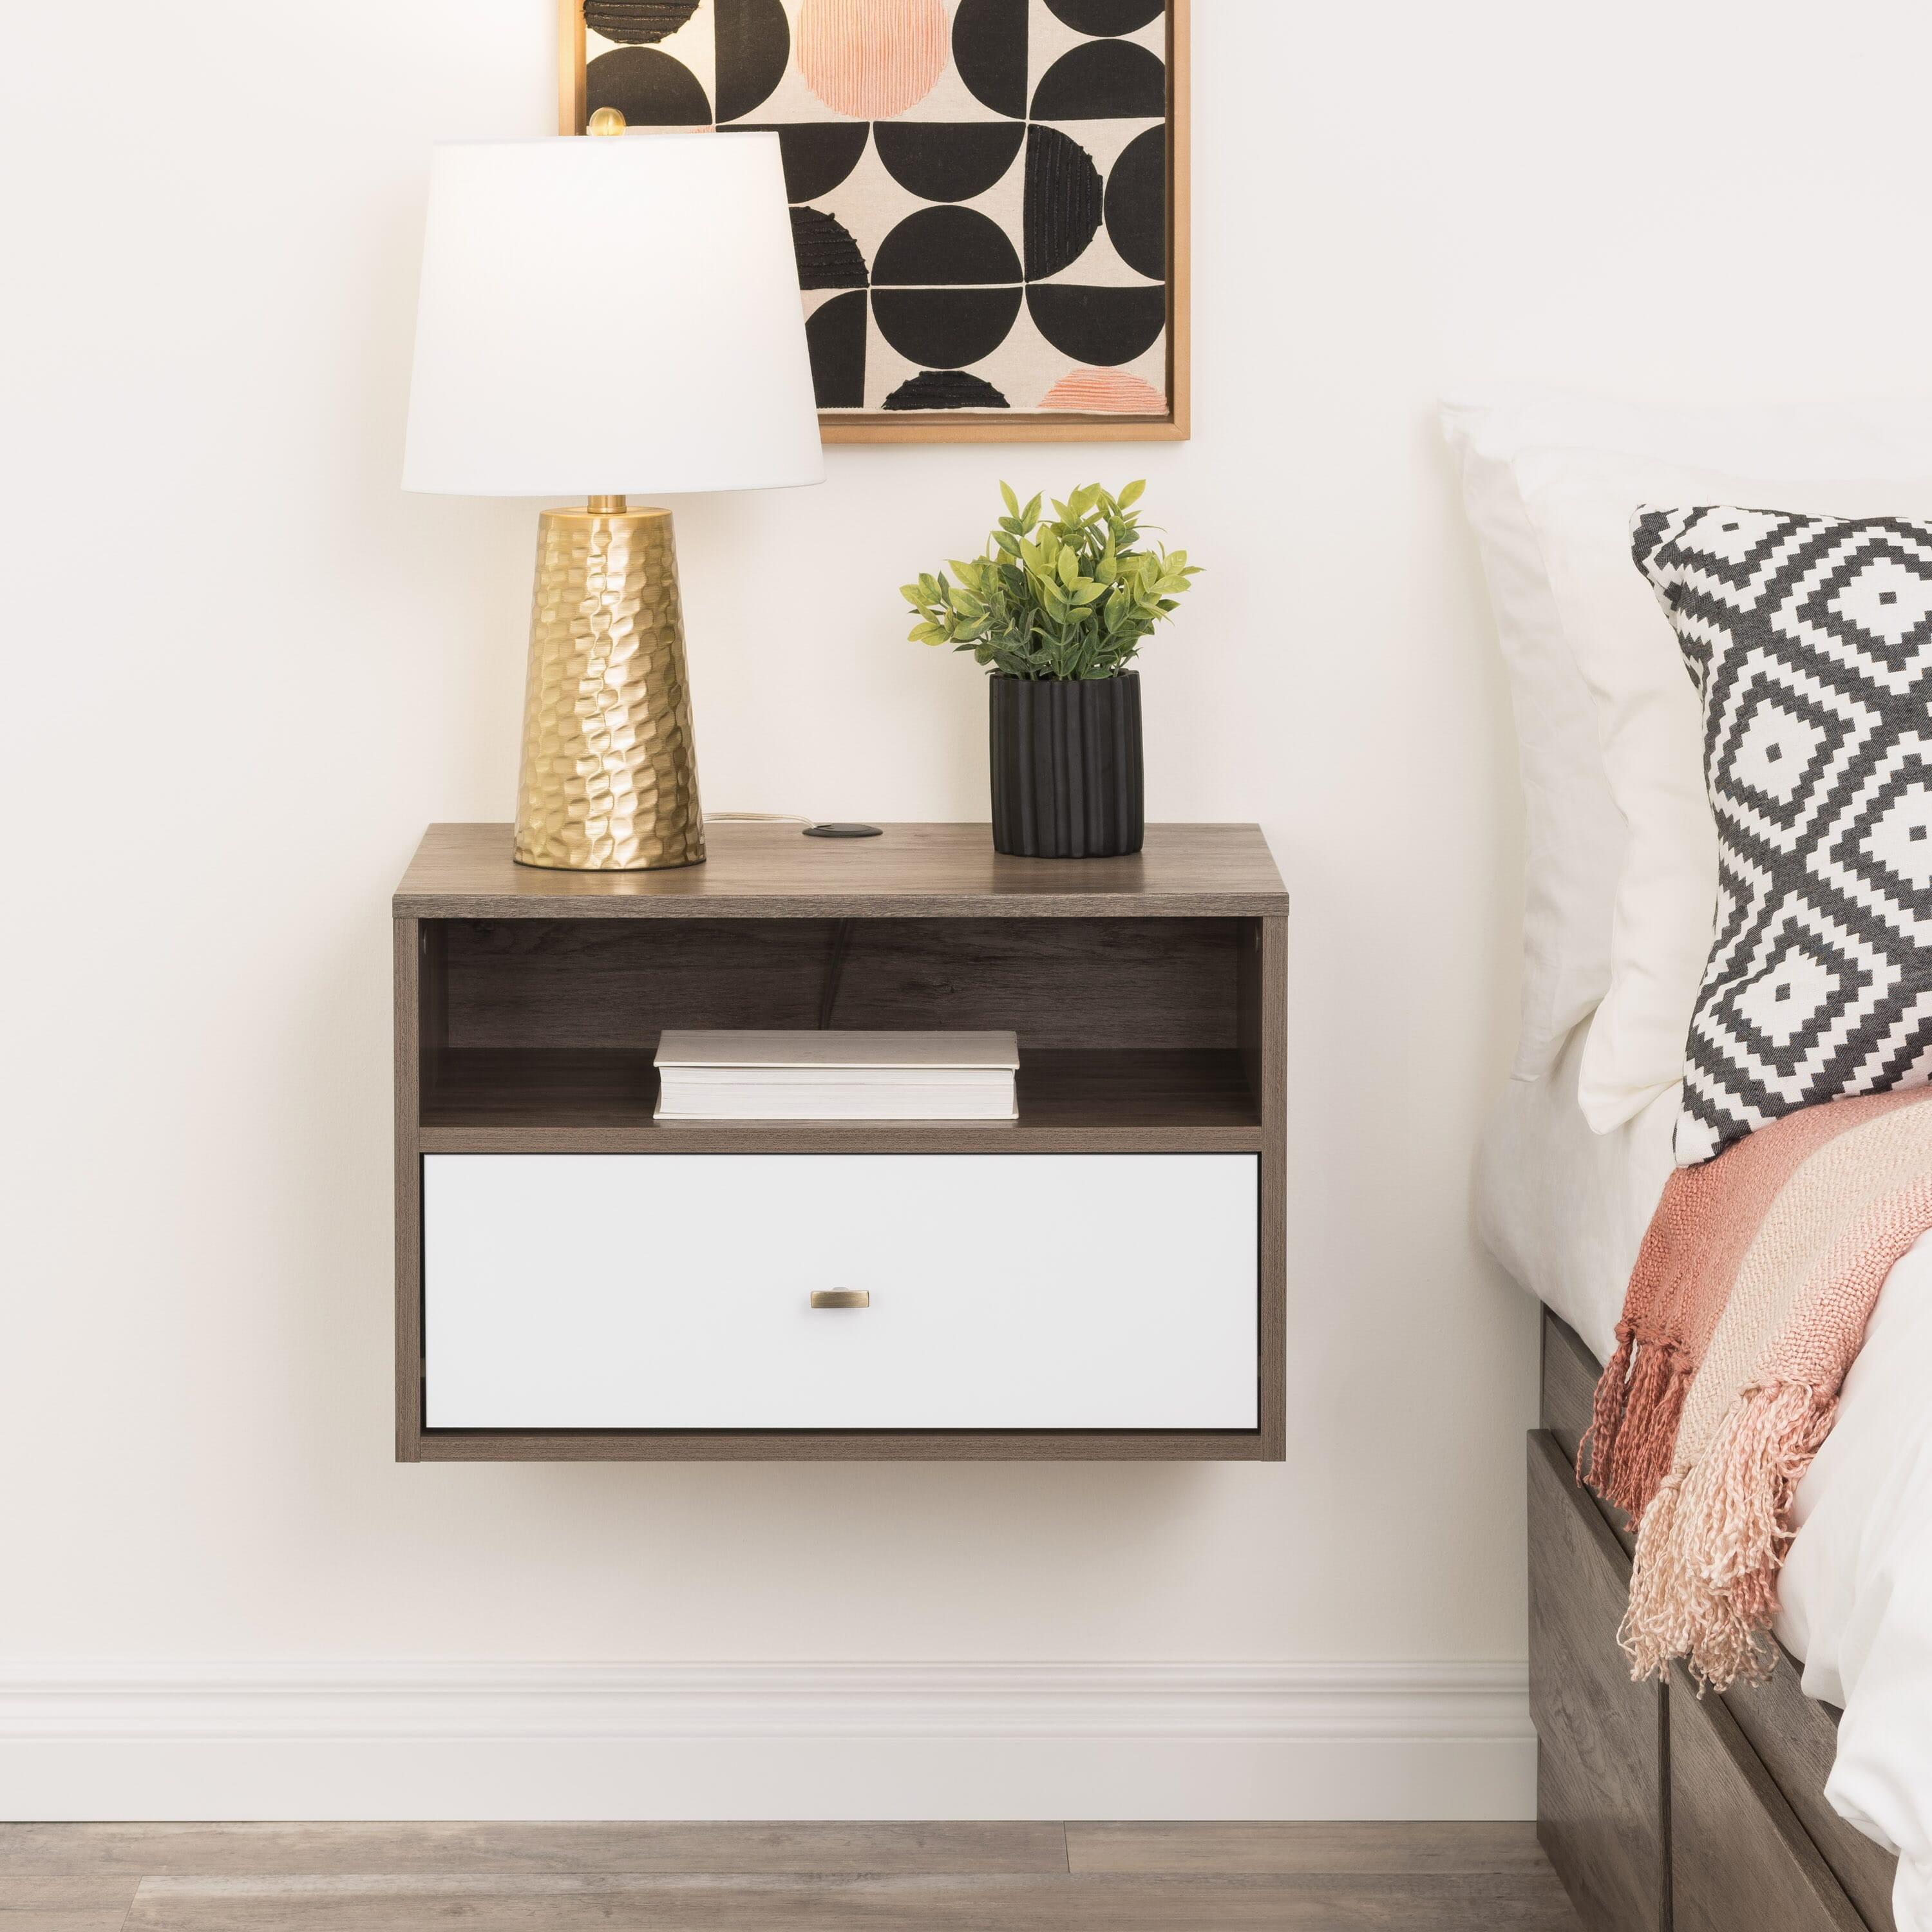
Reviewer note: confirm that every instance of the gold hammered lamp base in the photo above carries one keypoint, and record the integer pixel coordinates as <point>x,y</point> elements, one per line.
<point>609,773</point>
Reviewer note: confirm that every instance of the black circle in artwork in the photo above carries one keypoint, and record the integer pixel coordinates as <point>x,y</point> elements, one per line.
<point>1103,327</point>
<point>1137,204</point>
<point>1106,16</point>
<point>945,389</point>
<point>946,247</point>
<point>945,328</point>
<point>835,335</point>
<point>1104,80</point>
<point>944,160</point>
<point>989,48</point>
<point>828,257</point>
<point>1062,201</point>
<point>637,22</point>
<point>648,88</point>
<point>754,50</point>
<point>818,155</point>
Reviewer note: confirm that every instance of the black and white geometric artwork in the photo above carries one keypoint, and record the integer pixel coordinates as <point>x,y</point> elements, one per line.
<point>979,188</point>
<point>1809,641</point>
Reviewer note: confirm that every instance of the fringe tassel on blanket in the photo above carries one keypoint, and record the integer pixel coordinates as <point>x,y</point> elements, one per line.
<point>1632,1434</point>
<point>1748,1303</point>
<point>1705,1583</point>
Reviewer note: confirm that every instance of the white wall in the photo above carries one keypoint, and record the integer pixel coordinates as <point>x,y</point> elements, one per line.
<point>244,670</point>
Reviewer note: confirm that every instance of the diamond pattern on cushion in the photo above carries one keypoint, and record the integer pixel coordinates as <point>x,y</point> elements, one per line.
<point>1810,641</point>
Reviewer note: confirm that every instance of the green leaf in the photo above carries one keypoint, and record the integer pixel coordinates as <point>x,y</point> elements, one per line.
<point>1073,597</point>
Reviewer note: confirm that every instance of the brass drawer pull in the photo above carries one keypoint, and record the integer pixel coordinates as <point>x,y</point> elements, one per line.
<point>841,1298</point>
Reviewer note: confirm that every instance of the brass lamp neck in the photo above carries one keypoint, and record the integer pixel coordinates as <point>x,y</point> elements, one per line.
<point>607,506</point>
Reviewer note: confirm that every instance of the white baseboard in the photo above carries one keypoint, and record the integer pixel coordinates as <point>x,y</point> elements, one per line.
<point>1390,1741</point>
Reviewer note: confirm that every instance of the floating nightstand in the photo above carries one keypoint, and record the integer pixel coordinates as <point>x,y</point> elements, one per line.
<point>1103,1279</point>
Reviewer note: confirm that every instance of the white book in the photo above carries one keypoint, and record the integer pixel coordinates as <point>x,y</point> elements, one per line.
<point>716,1076</point>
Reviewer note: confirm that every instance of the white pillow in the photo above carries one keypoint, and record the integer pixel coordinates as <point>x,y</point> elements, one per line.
<point>1632,932</point>
<point>1574,835</point>
<point>1650,728</point>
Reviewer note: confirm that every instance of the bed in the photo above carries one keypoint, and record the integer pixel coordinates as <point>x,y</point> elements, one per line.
<point>1664,844</point>
<point>1783,1805</point>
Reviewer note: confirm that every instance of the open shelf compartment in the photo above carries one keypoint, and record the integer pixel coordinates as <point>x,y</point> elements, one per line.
<point>532,1029</point>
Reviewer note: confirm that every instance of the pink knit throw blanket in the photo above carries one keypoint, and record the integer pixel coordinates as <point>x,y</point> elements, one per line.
<point>1747,1305</point>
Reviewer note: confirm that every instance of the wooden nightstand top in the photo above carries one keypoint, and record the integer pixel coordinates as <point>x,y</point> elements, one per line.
<point>772,871</point>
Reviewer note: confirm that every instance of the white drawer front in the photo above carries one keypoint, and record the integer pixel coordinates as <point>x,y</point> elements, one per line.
<point>1034,1291</point>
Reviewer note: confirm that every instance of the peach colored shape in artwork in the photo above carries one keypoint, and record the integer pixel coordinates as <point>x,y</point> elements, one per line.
<point>871,58</point>
<point>1105,391</point>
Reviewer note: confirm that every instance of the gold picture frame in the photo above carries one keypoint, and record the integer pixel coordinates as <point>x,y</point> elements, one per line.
<point>965,426</point>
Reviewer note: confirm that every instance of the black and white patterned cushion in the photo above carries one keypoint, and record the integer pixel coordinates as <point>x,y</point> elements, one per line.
<point>1810,641</point>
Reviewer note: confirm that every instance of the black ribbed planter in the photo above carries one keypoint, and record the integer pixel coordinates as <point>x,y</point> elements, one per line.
<point>1068,779</point>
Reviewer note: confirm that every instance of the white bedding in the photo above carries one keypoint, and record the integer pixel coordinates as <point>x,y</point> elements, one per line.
<point>1857,1587</point>
<point>1565,1211</point>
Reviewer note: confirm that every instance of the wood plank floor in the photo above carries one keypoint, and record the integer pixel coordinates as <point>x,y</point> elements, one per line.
<point>777,1878</point>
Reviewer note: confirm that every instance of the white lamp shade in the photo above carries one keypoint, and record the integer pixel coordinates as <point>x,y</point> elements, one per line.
<point>610,315</point>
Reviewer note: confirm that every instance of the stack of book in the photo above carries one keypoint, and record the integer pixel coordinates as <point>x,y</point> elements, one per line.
<point>838,1076</point>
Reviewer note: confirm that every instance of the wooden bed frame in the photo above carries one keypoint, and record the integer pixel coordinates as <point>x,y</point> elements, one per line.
<point>1661,1811</point>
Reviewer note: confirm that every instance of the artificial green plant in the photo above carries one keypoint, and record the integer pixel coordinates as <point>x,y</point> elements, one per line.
<point>1071,598</point>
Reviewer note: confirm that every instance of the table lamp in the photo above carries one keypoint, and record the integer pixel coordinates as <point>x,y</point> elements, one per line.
<point>615,317</point>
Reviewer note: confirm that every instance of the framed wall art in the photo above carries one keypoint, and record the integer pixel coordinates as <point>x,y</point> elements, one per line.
<point>989,197</point>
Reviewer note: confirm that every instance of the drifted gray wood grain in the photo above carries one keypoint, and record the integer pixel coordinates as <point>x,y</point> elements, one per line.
<point>527,1024</point>
<point>1742,1862</point>
<point>1170,983</point>
<point>93,1852</point>
<point>1233,1445</point>
<point>1269,1045</point>
<point>1479,1903</point>
<point>99,1891</point>
<point>1570,1373</point>
<point>492,1101</point>
<point>1797,1740</point>
<point>101,1918</point>
<point>1227,1850</point>
<point>1601,1764</point>
<point>465,871</point>
<point>412,1024</point>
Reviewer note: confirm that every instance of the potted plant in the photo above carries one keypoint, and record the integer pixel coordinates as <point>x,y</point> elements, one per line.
<point>1057,611</point>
